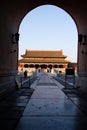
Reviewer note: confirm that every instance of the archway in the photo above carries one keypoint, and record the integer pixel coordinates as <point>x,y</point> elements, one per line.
<point>12,13</point>
<point>57,32</point>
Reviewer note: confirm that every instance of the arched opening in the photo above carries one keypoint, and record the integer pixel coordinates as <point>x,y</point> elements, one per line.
<point>27,33</point>
<point>57,32</point>
<point>26,65</point>
<point>43,66</point>
<point>10,26</point>
<point>12,13</point>
<point>31,65</point>
<point>37,66</point>
<point>55,66</point>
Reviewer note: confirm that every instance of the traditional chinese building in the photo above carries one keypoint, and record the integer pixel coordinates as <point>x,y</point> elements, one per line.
<point>43,60</point>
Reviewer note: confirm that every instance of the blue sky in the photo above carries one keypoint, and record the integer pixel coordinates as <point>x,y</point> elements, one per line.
<point>49,27</point>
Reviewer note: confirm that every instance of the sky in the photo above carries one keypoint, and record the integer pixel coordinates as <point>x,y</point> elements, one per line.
<point>49,27</point>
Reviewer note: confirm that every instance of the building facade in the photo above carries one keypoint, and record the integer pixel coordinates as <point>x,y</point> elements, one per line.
<point>51,61</point>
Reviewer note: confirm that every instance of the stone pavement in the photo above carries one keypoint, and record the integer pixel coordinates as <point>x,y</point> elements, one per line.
<point>12,106</point>
<point>49,108</point>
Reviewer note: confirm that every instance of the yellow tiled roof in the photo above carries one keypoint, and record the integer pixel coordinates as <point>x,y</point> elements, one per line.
<point>43,60</point>
<point>43,53</point>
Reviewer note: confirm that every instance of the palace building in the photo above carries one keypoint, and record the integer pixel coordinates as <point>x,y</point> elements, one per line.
<point>53,61</point>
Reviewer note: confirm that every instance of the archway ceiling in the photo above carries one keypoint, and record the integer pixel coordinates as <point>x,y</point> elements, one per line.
<point>17,9</point>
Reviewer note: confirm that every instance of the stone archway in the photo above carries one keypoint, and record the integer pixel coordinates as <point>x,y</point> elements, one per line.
<point>12,13</point>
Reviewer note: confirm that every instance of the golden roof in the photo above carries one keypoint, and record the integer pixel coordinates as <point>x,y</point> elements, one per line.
<point>43,60</point>
<point>43,53</point>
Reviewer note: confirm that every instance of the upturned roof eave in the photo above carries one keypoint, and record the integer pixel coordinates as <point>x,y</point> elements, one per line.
<point>23,56</point>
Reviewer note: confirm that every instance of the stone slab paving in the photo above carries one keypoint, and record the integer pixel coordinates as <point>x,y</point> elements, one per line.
<point>12,107</point>
<point>50,108</point>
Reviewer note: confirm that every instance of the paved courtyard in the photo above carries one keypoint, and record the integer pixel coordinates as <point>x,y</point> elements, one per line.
<point>49,108</point>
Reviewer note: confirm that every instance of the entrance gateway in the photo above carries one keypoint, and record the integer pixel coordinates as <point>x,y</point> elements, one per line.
<point>12,13</point>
